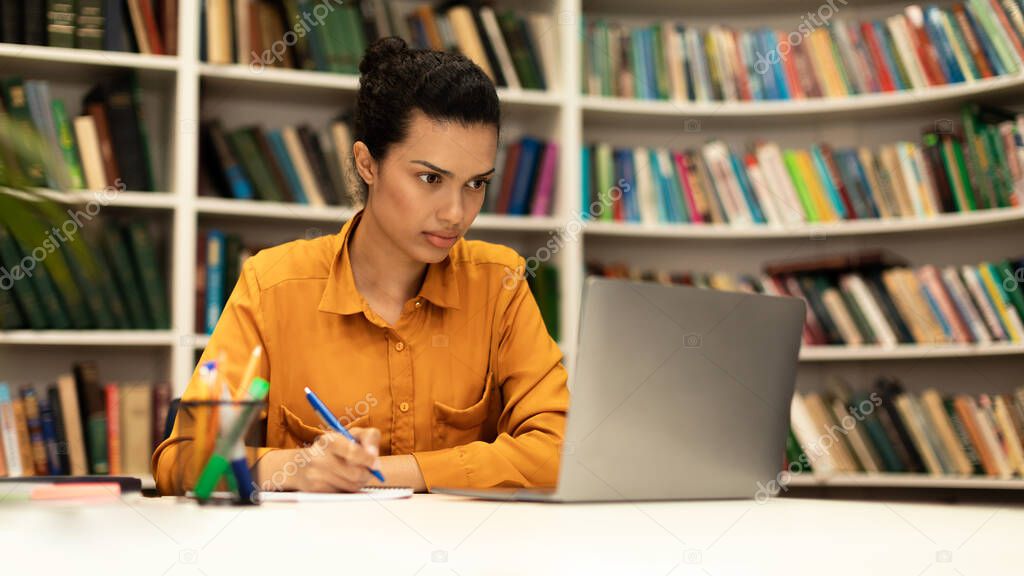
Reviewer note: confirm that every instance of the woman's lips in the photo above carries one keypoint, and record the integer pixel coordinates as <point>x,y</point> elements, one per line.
<point>441,240</point>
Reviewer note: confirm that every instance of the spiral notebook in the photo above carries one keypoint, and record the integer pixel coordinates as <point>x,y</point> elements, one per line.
<point>368,493</point>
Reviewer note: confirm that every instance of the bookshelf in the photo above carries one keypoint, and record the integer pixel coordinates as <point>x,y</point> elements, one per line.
<point>190,91</point>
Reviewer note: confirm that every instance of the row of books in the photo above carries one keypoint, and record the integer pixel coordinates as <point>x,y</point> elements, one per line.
<point>145,26</point>
<point>889,429</point>
<point>221,255</point>
<point>977,166</point>
<point>81,425</point>
<point>103,276</point>
<point>295,164</point>
<point>920,47</point>
<point>528,177</point>
<point>106,146</point>
<point>874,299</point>
<point>517,50</point>
<point>219,260</point>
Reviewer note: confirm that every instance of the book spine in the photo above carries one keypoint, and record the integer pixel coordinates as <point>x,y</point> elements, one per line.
<point>90,25</point>
<point>214,278</point>
<point>113,409</point>
<point>9,433</point>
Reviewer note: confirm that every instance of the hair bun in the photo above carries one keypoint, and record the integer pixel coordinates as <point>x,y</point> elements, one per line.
<point>381,52</point>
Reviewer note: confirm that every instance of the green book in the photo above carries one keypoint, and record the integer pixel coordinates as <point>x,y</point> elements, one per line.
<point>605,180</point>
<point>247,152</point>
<point>90,24</point>
<point>117,255</point>
<point>303,56</point>
<point>93,414</point>
<point>999,169</point>
<point>81,263</point>
<point>56,316</point>
<point>965,177</point>
<point>796,175</point>
<point>356,36</point>
<point>876,433</point>
<point>795,455</point>
<point>60,23</point>
<point>68,148</point>
<point>10,316</point>
<point>513,28</point>
<point>16,104</point>
<point>976,159</point>
<point>986,19</point>
<point>12,278</point>
<point>1014,289</point>
<point>660,65</point>
<point>232,265</point>
<point>105,282</point>
<point>603,58</point>
<point>863,326</point>
<point>844,75</point>
<point>637,63</point>
<point>148,274</point>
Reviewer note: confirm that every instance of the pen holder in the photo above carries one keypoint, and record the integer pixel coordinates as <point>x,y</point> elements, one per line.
<point>216,459</point>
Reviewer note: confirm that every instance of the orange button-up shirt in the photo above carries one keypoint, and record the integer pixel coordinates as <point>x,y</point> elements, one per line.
<point>468,380</point>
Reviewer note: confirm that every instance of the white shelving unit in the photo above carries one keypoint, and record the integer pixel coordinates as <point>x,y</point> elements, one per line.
<point>193,91</point>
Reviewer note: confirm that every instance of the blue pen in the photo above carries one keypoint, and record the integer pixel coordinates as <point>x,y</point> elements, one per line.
<point>330,420</point>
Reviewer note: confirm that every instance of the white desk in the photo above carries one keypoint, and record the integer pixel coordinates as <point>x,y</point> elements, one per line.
<point>432,534</point>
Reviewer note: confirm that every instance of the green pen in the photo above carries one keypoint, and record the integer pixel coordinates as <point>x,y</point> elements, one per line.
<point>220,461</point>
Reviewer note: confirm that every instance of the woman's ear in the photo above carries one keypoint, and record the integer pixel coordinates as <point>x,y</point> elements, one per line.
<point>366,164</point>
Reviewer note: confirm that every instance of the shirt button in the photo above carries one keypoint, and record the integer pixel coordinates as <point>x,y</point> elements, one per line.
<point>400,346</point>
<point>404,406</point>
<point>418,304</point>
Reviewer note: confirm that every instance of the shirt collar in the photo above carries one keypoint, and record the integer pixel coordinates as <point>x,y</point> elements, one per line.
<point>440,286</point>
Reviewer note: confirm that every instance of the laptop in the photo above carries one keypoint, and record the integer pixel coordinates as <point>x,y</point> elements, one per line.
<point>678,393</point>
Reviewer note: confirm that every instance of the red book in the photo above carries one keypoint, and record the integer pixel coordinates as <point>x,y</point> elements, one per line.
<point>508,178</point>
<point>113,394</point>
<point>923,44</point>
<point>743,81</point>
<point>792,77</point>
<point>884,79</point>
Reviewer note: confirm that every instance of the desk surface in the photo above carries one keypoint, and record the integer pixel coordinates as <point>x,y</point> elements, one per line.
<point>434,534</point>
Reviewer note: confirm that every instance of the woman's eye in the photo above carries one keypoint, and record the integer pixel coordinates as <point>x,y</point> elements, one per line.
<point>478,184</point>
<point>430,178</point>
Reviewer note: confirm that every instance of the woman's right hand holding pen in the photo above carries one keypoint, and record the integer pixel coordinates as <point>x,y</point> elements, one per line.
<point>332,463</point>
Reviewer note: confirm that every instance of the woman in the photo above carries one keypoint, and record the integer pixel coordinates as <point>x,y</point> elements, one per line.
<point>429,347</point>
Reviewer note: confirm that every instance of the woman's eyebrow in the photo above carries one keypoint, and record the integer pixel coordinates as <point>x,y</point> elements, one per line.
<point>447,172</point>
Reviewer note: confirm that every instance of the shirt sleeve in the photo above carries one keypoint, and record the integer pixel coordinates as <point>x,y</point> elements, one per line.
<point>531,426</point>
<point>238,331</point>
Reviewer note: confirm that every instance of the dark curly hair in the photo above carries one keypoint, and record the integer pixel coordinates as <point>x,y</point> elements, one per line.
<point>395,79</point>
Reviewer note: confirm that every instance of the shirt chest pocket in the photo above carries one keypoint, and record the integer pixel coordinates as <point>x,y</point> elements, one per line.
<point>298,432</point>
<point>455,426</point>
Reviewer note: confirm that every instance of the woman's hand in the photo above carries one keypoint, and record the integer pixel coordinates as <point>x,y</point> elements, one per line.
<point>331,464</point>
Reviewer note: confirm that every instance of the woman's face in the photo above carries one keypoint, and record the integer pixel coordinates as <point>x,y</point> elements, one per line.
<point>430,187</point>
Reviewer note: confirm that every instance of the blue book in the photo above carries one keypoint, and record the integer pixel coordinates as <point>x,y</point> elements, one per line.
<point>855,186</point>
<point>284,160</point>
<point>936,311</point>
<point>765,48</point>
<point>986,43</point>
<point>779,69</point>
<point>750,58</point>
<point>50,438</point>
<point>316,47</point>
<point>585,181</point>
<point>116,26</point>
<point>215,255</point>
<point>869,191</point>
<point>636,57</point>
<point>626,172</point>
<point>677,191</point>
<point>647,57</point>
<point>748,192</point>
<point>936,33</point>
<point>664,213</point>
<point>651,45</point>
<point>830,186</point>
<point>522,185</point>
<point>884,44</point>
<point>961,306</point>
